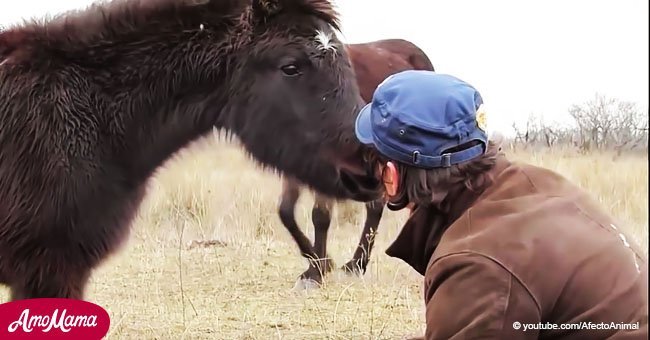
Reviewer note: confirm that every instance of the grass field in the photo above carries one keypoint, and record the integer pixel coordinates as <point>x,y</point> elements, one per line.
<point>159,288</point>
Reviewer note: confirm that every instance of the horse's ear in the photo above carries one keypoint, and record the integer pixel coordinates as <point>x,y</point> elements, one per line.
<point>8,43</point>
<point>267,8</point>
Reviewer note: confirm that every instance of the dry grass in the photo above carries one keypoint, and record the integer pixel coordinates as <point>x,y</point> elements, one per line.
<point>156,289</point>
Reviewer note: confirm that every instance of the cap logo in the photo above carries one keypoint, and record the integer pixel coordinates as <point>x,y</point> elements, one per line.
<point>481,118</point>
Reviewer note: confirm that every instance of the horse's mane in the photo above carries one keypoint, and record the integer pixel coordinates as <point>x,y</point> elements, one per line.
<point>324,10</point>
<point>104,21</point>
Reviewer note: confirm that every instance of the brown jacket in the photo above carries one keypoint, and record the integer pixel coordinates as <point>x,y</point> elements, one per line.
<point>532,248</point>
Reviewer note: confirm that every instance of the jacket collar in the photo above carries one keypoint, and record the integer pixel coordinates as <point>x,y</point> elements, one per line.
<point>423,230</point>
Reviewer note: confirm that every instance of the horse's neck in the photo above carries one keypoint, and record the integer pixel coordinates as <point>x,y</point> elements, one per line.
<point>166,110</point>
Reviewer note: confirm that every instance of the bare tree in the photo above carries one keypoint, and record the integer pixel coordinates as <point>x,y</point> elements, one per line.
<point>538,132</point>
<point>609,123</point>
<point>600,123</point>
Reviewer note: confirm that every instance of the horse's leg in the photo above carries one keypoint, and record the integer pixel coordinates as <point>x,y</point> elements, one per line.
<point>361,257</point>
<point>3,272</point>
<point>321,215</point>
<point>4,275</point>
<point>65,283</point>
<point>290,195</point>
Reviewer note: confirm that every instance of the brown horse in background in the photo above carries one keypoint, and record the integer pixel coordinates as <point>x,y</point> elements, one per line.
<point>372,62</point>
<point>93,102</point>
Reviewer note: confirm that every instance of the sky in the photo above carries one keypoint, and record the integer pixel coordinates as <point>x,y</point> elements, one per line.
<point>524,57</point>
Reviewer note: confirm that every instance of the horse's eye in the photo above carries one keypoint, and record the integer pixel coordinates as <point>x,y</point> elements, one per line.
<point>290,70</point>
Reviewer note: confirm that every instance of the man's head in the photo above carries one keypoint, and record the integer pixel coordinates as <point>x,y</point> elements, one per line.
<point>428,132</point>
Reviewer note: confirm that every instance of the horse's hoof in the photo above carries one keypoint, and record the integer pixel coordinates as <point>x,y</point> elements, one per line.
<point>352,268</point>
<point>305,285</point>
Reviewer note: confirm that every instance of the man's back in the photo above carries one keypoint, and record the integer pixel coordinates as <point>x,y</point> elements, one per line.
<point>545,253</point>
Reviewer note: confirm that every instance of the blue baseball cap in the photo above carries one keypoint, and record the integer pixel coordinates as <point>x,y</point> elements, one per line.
<point>416,115</point>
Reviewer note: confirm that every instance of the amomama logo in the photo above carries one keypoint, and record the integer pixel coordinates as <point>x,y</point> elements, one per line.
<point>51,318</point>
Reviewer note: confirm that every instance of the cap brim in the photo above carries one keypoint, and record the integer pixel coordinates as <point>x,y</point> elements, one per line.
<point>363,127</point>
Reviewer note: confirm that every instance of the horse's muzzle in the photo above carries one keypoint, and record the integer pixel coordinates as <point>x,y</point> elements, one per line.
<point>362,188</point>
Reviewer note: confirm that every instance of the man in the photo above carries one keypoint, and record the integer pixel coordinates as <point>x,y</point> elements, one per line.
<point>507,250</point>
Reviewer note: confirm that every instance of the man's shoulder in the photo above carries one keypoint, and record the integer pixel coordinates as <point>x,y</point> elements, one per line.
<point>549,209</point>
<point>543,231</point>
<point>539,228</point>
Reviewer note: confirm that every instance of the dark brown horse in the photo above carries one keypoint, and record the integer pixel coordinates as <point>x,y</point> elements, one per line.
<point>372,63</point>
<point>94,101</point>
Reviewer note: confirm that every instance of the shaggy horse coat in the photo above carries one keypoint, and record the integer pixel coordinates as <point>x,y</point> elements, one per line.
<point>372,62</point>
<point>94,101</point>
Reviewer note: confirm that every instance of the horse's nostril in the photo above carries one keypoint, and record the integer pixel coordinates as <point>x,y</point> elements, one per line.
<point>358,183</point>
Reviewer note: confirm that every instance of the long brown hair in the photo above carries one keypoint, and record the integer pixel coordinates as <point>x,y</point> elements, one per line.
<point>419,186</point>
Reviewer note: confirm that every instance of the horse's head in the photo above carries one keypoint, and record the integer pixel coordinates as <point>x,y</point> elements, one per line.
<point>296,98</point>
